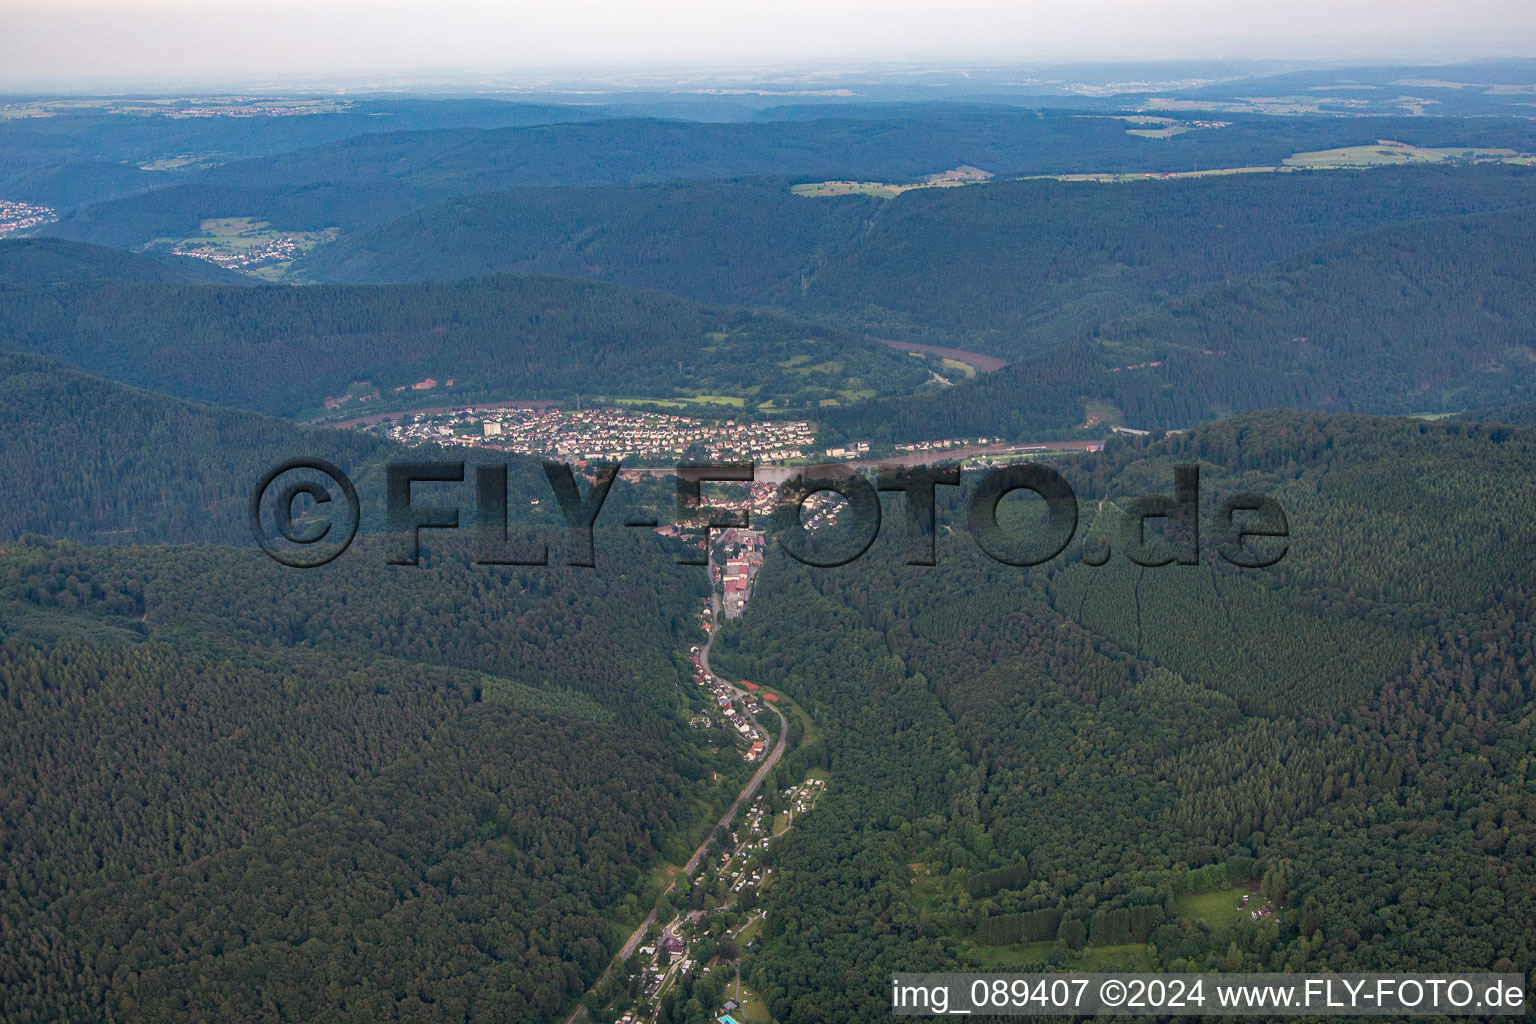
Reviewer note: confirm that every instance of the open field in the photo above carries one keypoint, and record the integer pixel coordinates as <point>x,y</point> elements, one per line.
<point>1160,175</point>
<point>753,1009</point>
<point>177,163</point>
<point>997,958</point>
<point>982,363</point>
<point>1386,153</point>
<point>1219,908</point>
<point>956,364</point>
<point>734,401</point>
<point>884,190</point>
<point>962,175</point>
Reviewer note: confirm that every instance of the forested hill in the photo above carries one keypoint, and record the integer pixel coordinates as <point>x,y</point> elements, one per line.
<point>78,153</point>
<point>283,350</point>
<point>224,786</point>
<point>1431,316</point>
<point>88,459</point>
<point>178,210</point>
<point>1077,768</point>
<point>747,241</point>
<point>91,460</point>
<point>1008,267</point>
<point>1006,141</point>
<point>45,261</point>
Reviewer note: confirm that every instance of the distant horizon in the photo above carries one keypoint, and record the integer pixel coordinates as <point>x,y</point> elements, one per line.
<point>116,45</point>
<point>790,76</point>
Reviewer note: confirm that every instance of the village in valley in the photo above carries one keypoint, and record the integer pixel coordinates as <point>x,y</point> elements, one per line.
<point>606,434</point>
<point>709,917</point>
<point>17,216</point>
<point>715,917</point>
<point>657,439</point>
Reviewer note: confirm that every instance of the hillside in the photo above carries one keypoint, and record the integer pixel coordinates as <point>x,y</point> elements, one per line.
<point>1009,267</point>
<point>748,242</point>
<point>1006,141</point>
<point>1079,768</point>
<point>379,175</point>
<point>48,261</point>
<point>69,154</point>
<point>284,350</point>
<point>1431,316</point>
<point>91,460</point>
<point>215,794</point>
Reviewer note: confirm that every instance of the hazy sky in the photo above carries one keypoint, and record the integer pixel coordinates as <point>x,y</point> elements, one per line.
<point>130,42</point>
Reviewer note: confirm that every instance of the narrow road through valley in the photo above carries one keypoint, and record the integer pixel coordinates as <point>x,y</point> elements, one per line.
<point>580,1013</point>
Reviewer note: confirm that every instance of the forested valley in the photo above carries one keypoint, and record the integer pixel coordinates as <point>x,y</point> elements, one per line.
<point>233,790</point>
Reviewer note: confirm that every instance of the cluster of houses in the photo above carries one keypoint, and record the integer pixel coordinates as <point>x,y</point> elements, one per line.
<point>613,435</point>
<point>16,216</point>
<point>238,258</point>
<point>741,868</point>
<point>251,110</point>
<point>735,713</point>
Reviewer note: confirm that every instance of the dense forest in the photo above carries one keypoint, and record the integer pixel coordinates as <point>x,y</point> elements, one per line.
<point>1064,766</point>
<point>80,153</point>
<point>283,350</point>
<point>373,177</point>
<point>1430,316</point>
<point>46,261</point>
<point>1009,267</point>
<point>420,794</point>
<point>1005,141</point>
<point>91,460</point>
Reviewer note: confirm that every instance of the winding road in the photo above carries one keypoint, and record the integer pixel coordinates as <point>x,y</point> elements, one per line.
<point>692,866</point>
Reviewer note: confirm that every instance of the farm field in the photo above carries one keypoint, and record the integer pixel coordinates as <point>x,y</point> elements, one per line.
<point>1387,153</point>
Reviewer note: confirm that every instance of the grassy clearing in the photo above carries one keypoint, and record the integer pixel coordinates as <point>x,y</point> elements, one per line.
<point>753,1009</point>
<point>1098,413</point>
<point>955,364</point>
<point>997,958</point>
<point>1219,908</point>
<point>749,933</point>
<point>963,175</point>
<point>1025,955</point>
<point>1108,958</point>
<point>1214,172</point>
<point>1387,153</point>
<point>822,189</point>
<point>683,402</point>
<point>176,163</point>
